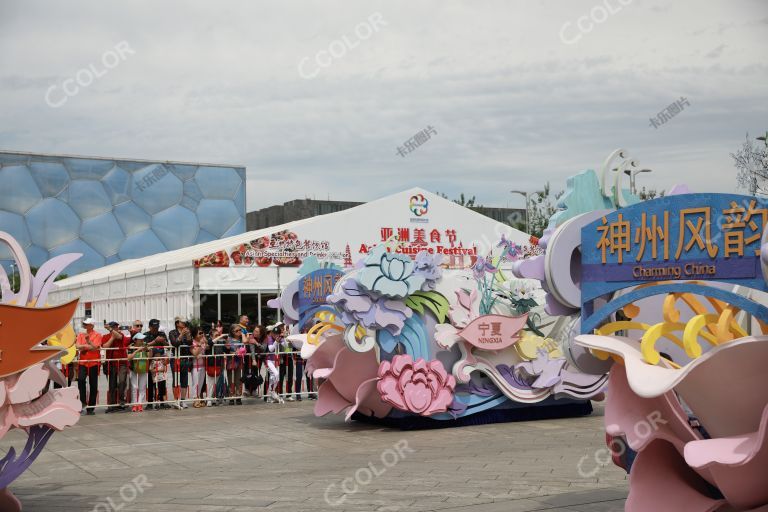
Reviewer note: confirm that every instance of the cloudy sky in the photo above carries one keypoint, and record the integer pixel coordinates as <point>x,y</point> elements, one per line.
<point>517,93</point>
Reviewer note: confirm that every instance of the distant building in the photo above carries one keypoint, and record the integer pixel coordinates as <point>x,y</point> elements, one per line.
<point>305,208</point>
<point>113,209</point>
<point>294,210</point>
<point>514,217</point>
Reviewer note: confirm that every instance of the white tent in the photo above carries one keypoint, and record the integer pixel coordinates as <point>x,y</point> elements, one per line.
<point>222,278</point>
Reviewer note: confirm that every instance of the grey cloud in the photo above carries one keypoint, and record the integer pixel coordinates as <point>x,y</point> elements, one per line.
<point>512,105</point>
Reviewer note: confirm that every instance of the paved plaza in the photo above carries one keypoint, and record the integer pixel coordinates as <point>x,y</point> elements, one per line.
<point>281,458</point>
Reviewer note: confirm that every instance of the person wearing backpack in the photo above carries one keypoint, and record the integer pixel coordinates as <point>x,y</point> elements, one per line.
<point>139,360</point>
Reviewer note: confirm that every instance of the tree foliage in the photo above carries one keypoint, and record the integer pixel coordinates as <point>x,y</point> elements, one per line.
<point>15,278</point>
<point>541,206</point>
<point>469,202</point>
<point>651,193</point>
<point>751,160</point>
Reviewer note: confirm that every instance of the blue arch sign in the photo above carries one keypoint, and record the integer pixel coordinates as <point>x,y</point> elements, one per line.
<point>688,237</point>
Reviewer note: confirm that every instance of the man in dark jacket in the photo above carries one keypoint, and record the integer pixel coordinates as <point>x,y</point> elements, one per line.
<point>157,339</point>
<point>181,340</point>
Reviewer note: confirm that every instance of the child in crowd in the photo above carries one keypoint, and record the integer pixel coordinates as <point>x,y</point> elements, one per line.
<point>139,361</point>
<point>159,368</point>
<point>199,346</point>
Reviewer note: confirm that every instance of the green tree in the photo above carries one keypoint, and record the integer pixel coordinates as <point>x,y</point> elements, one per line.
<point>469,202</point>
<point>15,278</point>
<point>651,193</point>
<point>541,206</point>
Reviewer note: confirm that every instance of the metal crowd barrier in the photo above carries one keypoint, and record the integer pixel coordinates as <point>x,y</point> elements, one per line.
<point>173,399</point>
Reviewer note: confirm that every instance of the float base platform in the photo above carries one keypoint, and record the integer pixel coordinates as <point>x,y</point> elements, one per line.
<point>571,409</point>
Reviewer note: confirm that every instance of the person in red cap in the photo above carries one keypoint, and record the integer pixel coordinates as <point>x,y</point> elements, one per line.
<point>89,355</point>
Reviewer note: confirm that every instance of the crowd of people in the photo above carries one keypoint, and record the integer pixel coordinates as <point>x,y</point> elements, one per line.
<point>204,367</point>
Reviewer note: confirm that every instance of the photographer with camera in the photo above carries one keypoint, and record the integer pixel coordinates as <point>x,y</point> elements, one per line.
<point>116,365</point>
<point>181,340</point>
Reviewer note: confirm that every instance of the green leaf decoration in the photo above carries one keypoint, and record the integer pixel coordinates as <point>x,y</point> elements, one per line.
<point>434,301</point>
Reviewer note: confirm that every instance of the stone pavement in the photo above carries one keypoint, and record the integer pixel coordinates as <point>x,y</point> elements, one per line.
<point>280,457</point>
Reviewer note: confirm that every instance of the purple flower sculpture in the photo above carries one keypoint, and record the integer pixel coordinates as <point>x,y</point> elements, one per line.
<point>428,266</point>
<point>481,266</point>
<point>511,250</point>
<point>359,307</point>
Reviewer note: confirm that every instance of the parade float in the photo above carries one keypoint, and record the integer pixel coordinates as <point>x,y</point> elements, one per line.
<point>408,341</point>
<point>27,367</point>
<point>668,298</point>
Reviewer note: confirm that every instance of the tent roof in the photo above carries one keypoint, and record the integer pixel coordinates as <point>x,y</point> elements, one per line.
<point>184,257</point>
<point>172,259</point>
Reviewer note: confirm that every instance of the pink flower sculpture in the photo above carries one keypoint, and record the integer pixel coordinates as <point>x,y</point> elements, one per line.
<point>27,367</point>
<point>674,460</point>
<point>350,379</point>
<point>419,387</point>
<point>22,403</point>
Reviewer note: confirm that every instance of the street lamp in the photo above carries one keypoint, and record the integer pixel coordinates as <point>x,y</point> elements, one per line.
<point>525,196</point>
<point>632,174</point>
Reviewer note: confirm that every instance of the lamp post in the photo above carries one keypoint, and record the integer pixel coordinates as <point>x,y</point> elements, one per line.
<point>525,196</point>
<point>632,173</point>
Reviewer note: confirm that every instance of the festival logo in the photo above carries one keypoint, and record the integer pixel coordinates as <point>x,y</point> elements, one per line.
<point>419,205</point>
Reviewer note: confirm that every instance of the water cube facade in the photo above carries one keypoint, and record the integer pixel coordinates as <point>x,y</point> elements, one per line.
<point>111,210</point>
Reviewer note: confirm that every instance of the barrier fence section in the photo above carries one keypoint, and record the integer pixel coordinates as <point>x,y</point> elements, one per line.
<point>211,378</point>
